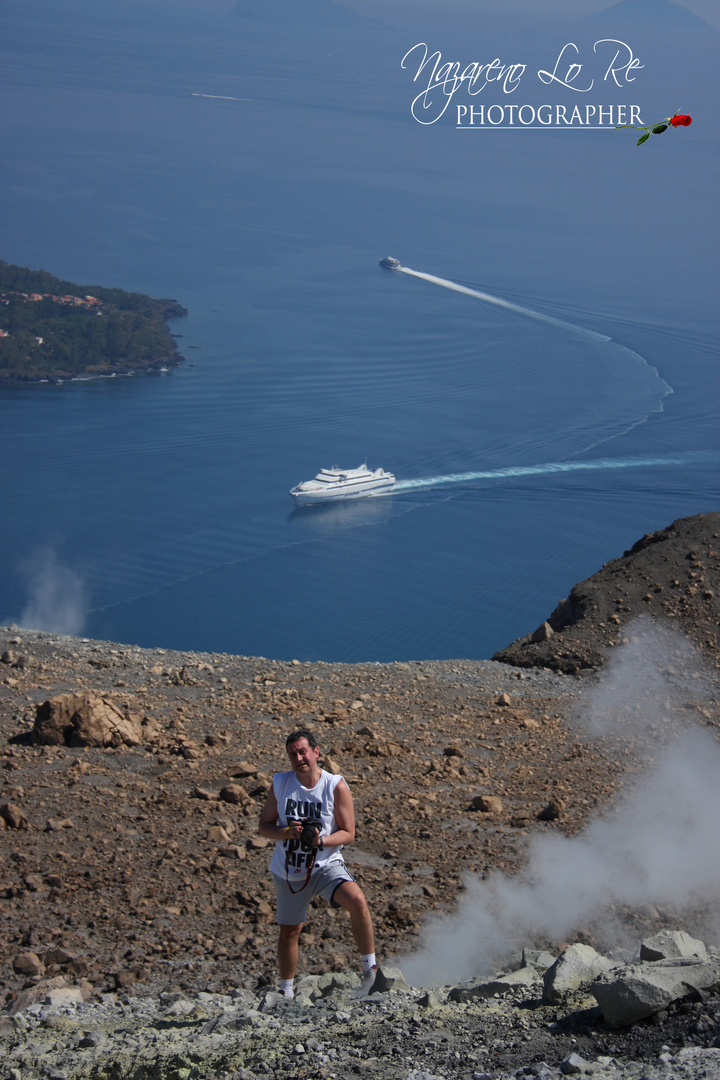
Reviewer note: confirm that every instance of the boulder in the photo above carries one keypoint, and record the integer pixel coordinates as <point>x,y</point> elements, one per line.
<point>640,990</point>
<point>504,984</point>
<point>429,1000</point>
<point>540,959</point>
<point>13,816</point>
<point>234,851</point>
<point>27,963</point>
<point>389,978</point>
<point>35,994</point>
<point>669,944</point>
<point>242,769</point>
<point>577,965</point>
<point>234,794</point>
<point>56,824</point>
<point>203,793</point>
<point>573,1064</point>
<point>217,835</point>
<point>270,1000</point>
<point>337,981</point>
<point>64,995</point>
<point>488,804</point>
<point>84,719</point>
<point>552,811</point>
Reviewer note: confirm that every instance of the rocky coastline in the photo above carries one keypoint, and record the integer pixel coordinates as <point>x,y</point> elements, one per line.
<point>138,936</point>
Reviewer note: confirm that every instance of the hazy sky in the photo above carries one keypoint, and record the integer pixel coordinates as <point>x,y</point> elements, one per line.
<point>404,9</point>
<point>706,9</point>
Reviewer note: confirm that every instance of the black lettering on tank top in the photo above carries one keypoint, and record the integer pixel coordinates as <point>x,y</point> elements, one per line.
<point>303,809</point>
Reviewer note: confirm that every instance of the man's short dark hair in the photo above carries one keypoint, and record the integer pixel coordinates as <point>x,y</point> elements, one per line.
<point>303,733</point>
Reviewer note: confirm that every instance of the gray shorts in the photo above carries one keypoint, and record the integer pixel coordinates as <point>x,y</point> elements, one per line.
<point>291,906</point>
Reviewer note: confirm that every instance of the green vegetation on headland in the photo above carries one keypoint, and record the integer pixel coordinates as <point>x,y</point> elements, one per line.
<point>52,329</point>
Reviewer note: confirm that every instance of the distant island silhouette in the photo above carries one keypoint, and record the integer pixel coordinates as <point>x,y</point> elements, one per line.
<point>51,330</point>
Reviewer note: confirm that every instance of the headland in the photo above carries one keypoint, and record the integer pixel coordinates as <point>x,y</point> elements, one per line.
<point>53,330</point>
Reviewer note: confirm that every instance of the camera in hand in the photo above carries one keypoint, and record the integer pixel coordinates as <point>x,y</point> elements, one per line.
<point>307,836</point>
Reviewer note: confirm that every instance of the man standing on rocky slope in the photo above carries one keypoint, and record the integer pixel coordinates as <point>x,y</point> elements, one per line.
<point>309,814</point>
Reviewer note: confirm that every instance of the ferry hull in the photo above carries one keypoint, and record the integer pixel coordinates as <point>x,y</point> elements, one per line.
<point>314,498</point>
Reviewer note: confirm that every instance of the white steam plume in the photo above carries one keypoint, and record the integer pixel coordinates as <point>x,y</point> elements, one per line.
<point>652,685</point>
<point>661,844</point>
<point>56,594</point>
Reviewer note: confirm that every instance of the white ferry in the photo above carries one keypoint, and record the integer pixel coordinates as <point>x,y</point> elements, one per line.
<point>390,264</point>
<point>331,485</point>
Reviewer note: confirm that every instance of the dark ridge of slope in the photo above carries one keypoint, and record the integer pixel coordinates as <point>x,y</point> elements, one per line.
<point>672,575</point>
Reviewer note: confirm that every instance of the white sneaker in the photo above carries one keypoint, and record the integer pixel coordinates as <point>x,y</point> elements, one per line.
<point>368,981</point>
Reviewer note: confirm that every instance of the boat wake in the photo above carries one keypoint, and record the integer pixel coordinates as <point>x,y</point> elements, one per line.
<point>687,458</point>
<point>498,302</point>
<point>220,97</point>
<point>631,369</point>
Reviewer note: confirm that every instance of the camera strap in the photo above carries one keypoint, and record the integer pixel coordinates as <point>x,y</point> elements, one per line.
<point>310,866</point>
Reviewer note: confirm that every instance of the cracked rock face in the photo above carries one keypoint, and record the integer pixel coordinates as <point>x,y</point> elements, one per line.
<point>641,990</point>
<point>84,719</point>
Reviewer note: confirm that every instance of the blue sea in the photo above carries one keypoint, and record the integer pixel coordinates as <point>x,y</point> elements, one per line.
<point>254,162</point>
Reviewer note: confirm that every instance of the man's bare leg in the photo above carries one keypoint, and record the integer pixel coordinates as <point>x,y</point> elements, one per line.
<point>288,950</point>
<point>350,896</point>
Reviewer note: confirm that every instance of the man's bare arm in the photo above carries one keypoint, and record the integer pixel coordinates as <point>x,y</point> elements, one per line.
<point>344,818</point>
<point>269,827</point>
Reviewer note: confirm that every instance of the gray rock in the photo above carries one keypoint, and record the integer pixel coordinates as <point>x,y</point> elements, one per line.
<point>669,944</point>
<point>540,959</point>
<point>63,995</point>
<point>577,965</point>
<point>271,1000</point>
<point>429,1001</point>
<point>337,981</point>
<point>572,1064</point>
<point>93,1038</point>
<point>504,984</point>
<point>7,1026</point>
<point>641,990</point>
<point>389,978</point>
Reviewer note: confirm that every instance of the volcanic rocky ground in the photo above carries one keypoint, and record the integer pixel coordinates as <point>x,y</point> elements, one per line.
<point>136,870</point>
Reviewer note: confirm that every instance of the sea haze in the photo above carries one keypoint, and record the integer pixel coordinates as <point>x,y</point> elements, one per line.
<point>255,166</point>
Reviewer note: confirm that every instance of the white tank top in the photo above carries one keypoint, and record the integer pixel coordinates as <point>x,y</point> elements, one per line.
<point>295,802</point>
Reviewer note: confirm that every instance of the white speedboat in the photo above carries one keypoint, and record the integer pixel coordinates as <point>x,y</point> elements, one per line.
<point>331,485</point>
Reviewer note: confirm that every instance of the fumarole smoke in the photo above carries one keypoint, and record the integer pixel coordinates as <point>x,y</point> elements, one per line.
<point>659,844</point>
<point>56,594</point>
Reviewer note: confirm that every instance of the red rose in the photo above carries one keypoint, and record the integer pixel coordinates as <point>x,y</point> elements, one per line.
<point>681,120</point>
